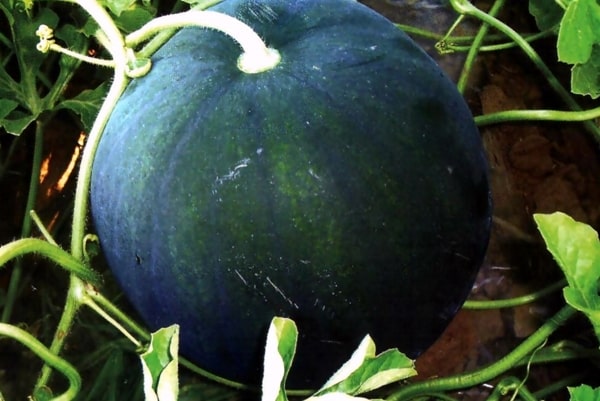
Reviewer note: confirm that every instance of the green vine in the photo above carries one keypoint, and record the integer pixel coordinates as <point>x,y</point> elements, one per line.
<point>464,7</point>
<point>517,301</point>
<point>49,357</point>
<point>479,376</point>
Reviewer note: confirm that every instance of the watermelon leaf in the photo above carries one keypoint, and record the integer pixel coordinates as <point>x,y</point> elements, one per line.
<point>585,78</point>
<point>86,104</point>
<point>547,14</point>
<point>584,393</point>
<point>160,365</point>
<point>365,371</point>
<point>579,30</point>
<point>16,121</point>
<point>576,249</point>
<point>279,353</point>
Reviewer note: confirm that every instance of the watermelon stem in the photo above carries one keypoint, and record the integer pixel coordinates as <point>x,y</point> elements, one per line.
<point>115,43</point>
<point>256,56</point>
<point>47,43</point>
<point>50,358</point>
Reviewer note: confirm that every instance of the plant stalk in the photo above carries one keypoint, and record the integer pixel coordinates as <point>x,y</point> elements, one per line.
<point>465,7</point>
<point>475,46</point>
<point>34,183</point>
<point>49,357</point>
<point>482,375</point>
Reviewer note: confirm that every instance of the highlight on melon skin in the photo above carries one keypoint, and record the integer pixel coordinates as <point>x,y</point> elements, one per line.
<point>344,188</point>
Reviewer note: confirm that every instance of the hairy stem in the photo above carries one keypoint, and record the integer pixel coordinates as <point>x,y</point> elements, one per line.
<point>62,258</point>
<point>72,305</point>
<point>34,183</point>
<point>476,45</point>
<point>466,380</point>
<point>49,358</point>
<point>256,56</point>
<point>87,158</point>
<point>115,44</point>
<point>163,36</point>
<point>115,312</point>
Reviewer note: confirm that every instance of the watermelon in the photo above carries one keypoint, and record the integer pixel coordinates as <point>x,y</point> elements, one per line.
<point>345,187</point>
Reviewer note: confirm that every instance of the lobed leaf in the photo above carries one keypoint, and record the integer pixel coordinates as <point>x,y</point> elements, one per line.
<point>86,104</point>
<point>16,121</point>
<point>584,393</point>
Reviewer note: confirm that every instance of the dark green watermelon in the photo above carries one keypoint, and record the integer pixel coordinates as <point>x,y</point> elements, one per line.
<point>345,188</point>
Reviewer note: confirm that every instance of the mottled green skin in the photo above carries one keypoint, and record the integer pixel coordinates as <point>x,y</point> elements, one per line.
<point>345,188</point>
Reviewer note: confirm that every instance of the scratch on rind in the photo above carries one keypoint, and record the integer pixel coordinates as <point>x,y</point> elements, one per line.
<point>258,11</point>
<point>241,277</point>
<point>289,301</point>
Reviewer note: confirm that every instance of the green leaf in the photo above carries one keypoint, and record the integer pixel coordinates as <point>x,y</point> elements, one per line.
<point>160,365</point>
<point>117,6</point>
<point>585,78</point>
<point>9,88</point>
<point>130,15</point>
<point>86,104</point>
<point>6,107</point>
<point>547,14</point>
<point>576,249</point>
<point>75,41</point>
<point>365,371</point>
<point>584,393</point>
<point>134,18</point>
<point>16,121</point>
<point>25,39</point>
<point>279,354</point>
<point>579,31</point>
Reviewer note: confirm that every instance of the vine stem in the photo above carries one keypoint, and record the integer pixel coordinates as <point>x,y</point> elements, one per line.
<point>72,305</point>
<point>87,158</point>
<point>62,258</point>
<point>49,357</point>
<point>256,56</point>
<point>160,38</point>
<point>76,291</point>
<point>111,309</point>
<point>115,43</point>
<point>517,301</point>
<point>476,45</point>
<point>539,115</point>
<point>489,372</point>
<point>34,183</point>
<point>464,7</point>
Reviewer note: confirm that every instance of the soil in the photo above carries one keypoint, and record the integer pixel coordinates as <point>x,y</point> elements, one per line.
<point>534,167</point>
